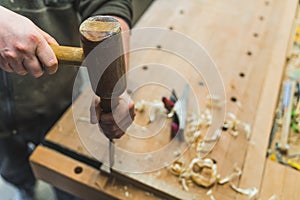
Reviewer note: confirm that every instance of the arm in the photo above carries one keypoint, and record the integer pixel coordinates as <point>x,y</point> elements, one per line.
<point>119,8</point>
<point>24,47</point>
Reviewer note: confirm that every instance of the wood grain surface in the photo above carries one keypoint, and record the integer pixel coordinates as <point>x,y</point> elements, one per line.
<point>248,41</point>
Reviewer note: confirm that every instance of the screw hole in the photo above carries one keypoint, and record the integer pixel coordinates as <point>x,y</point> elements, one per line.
<point>129,91</point>
<point>242,74</point>
<point>78,170</point>
<point>255,35</point>
<point>171,28</point>
<point>261,18</point>
<point>181,12</point>
<point>158,46</point>
<point>249,53</point>
<point>145,67</point>
<point>200,83</point>
<point>233,99</point>
<point>267,3</point>
<point>224,128</point>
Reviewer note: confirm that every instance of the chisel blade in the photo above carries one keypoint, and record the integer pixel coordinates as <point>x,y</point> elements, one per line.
<point>111,153</point>
<point>107,168</point>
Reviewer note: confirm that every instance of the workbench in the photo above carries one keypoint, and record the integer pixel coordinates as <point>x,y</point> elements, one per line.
<point>249,42</point>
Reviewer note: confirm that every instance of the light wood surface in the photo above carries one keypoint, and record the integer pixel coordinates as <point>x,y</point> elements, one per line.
<point>249,37</point>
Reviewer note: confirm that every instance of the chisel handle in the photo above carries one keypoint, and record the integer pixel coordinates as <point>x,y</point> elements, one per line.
<point>68,55</point>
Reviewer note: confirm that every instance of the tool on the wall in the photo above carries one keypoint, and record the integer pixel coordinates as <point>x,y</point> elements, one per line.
<point>102,49</point>
<point>286,108</point>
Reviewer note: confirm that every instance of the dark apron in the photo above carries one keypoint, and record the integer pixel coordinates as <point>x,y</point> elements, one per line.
<point>29,105</point>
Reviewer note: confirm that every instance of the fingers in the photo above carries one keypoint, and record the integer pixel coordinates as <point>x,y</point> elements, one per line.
<point>23,59</point>
<point>24,47</point>
<point>10,60</point>
<point>16,65</point>
<point>47,37</point>
<point>115,131</point>
<point>5,66</point>
<point>110,128</point>
<point>112,131</point>
<point>115,125</point>
<point>46,56</point>
<point>122,111</point>
<point>33,66</point>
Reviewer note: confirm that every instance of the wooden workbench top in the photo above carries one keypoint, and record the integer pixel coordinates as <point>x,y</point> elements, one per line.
<point>248,41</point>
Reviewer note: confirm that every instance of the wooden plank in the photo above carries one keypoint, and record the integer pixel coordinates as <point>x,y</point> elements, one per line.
<point>280,181</point>
<point>80,179</point>
<point>264,117</point>
<point>290,184</point>
<point>272,183</point>
<point>48,164</point>
<point>225,28</point>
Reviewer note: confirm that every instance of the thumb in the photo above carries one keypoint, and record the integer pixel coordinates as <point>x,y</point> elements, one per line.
<point>95,110</point>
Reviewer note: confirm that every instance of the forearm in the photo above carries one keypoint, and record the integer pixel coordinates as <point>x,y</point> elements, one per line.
<point>23,46</point>
<point>125,37</point>
<point>118,8</point>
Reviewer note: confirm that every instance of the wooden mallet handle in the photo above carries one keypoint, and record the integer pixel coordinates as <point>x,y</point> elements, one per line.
<point>68,56</point>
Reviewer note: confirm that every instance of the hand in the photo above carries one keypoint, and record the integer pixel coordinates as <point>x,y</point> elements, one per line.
<point>24,48</point>
<point>113,124</point>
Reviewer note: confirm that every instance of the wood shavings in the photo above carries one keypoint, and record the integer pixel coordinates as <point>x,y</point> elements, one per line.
<point>210,194</point>
<point>234,133</point>
<point>237,172</point>
<point>231,122</point>
<point>273,197</point>
<point>203,172</point>
<point>140,106</point>
<point>177,168</point>
<point>201,147</point>
<point>157,109</point>
<point>183,178</point>
<point>207,117</point>
<point>234,126</point>
<point>247,129</point>
<point>204,146</point>
<point>127,194</point>
<point>197,135</point>
<point>184,185</point>
<point>195,122</point>
<point>250,192</point>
